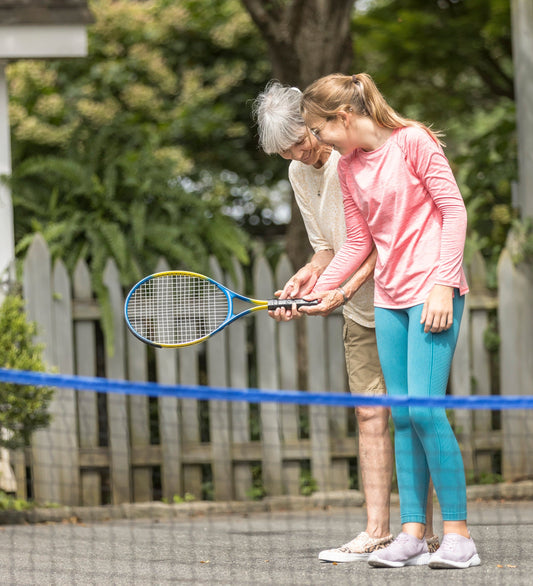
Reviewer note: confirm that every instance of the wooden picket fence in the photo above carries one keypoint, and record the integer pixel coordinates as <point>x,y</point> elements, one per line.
<point>118,448</point>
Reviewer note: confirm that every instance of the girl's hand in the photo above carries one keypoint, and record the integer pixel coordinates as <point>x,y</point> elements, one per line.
<point>437,313</point>
<point>329,300</point>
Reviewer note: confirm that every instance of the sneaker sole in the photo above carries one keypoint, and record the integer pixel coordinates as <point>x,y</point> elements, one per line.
<point>354,557</point>
<point>419,560</point>
<point>449,565</point>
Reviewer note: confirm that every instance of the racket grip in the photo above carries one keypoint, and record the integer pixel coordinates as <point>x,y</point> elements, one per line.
<point>288,303</point>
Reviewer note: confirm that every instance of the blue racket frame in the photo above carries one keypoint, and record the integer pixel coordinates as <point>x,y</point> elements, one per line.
<point>231,316</point>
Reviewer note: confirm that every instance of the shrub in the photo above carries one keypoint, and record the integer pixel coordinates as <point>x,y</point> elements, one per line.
<point>23,408</point>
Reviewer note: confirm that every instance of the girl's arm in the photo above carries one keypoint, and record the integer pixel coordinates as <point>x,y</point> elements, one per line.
<point>434,169</point>
<point>330,300</point>
<point>354,251</point>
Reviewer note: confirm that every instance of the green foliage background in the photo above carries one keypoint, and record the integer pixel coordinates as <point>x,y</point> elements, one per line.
<point>23,408</point>
<point>125,154</point>
<point>146,148</point>
<point>122,154</point>
<point>449,64</point>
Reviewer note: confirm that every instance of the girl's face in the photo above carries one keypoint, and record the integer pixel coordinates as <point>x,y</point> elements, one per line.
<point>307,150</point>
<point>339,132</point>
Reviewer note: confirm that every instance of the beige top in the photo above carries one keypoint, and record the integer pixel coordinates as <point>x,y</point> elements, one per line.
<point>319,197</point>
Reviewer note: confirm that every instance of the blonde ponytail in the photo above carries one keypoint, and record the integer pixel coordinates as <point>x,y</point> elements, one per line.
<point>334,93</point>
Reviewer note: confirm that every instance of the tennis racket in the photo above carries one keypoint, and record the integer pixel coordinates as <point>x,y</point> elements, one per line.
<point>179,308</point>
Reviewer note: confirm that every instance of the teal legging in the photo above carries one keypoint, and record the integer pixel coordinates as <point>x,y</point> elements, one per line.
<point>418,364</point>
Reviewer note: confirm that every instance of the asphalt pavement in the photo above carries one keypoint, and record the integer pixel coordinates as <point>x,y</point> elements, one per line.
<point>243,545</point>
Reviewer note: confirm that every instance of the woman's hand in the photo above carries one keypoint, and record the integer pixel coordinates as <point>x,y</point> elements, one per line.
<point>437,313</point>
<point>300,284</point>
<point>283,313</point>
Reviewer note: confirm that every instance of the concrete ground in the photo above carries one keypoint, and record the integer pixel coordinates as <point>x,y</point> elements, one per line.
<point>276,542</point>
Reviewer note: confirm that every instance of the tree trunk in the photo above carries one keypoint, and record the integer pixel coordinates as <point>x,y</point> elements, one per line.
<point>306,39</point>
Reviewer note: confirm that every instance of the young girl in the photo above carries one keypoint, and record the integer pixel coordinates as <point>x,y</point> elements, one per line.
<point>400,193</point>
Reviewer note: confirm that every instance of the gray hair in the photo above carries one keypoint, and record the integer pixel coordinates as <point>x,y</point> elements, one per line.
<point>277,112</point>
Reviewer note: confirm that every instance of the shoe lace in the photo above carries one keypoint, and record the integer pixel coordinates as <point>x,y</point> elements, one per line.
<point>449,542</point>
<point>402,537</point>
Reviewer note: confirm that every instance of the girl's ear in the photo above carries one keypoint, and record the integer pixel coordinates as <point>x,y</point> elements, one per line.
<point>344,117</point>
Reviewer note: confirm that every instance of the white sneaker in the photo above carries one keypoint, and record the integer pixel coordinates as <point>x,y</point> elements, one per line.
<point>405,550</point>
<point>456,551</point>
<point>357,549</point>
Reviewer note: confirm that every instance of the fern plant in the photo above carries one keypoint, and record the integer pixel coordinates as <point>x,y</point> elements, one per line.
<point>135,219</point>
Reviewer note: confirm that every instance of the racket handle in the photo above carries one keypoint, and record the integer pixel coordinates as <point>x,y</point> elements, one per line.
<point>288,303</point>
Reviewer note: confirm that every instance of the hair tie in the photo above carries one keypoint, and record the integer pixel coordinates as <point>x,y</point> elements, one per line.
<point>355,80</point>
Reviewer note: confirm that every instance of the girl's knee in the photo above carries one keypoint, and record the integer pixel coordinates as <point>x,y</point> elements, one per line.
<point>401,418</point>
<point>426,419</point>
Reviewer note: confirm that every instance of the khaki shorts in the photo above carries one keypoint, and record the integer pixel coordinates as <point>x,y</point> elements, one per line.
<point>362,360</point>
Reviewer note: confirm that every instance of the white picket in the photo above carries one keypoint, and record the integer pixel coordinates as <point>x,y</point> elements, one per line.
<point>117,411</point>
<point>85,355</point>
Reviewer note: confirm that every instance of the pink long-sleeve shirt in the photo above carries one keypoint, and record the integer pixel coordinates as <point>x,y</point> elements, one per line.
<point>404,197</point>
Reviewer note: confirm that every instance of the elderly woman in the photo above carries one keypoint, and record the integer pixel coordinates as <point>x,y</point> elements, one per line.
<point>314,179</point>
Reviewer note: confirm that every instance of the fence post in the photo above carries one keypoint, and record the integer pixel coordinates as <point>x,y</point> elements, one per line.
<point>117,411</point>
<point>238,378</point>
<point>268,378</point>
<point>318,414</point>
<point>85,353</point>
<point>190,422</point>
<point>139,415</point>
<point>460,384</point>
<point>337,382</point>
<point>170,438</point>
<point>46,443</point>
<point>479,322</point>
<point>219,415</point>
<point>288,371</point>
<point>66,398</point>
<point>515,317</point>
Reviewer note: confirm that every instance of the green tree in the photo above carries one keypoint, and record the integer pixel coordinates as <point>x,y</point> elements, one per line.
<point>125,154</point>
<point>107,160</point>
<point>135,150</point>
<point>305,39</point>
<point>23,408</point>
<point>449,63</point>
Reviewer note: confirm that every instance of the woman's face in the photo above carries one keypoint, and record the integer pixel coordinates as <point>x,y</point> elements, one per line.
<point>307,150</point>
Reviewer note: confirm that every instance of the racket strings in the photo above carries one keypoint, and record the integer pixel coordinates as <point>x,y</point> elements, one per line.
<point>177,309</point>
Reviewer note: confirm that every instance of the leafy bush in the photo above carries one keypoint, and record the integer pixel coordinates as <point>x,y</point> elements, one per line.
<point>23,408</point>
<point>11,503</point>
